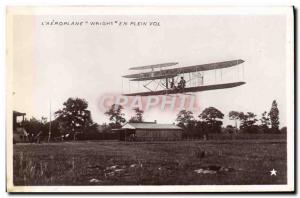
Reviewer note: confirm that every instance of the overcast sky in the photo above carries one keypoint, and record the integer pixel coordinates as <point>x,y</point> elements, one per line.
<point>58,62</point>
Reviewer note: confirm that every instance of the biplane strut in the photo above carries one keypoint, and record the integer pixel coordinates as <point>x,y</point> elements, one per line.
<point>194,83</point>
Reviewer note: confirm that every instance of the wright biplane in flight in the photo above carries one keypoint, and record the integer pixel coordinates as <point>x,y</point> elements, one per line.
<point>171,81</point>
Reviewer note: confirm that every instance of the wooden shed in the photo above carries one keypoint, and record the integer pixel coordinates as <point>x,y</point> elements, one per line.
<point>19,133</point>
<point>150,131</point>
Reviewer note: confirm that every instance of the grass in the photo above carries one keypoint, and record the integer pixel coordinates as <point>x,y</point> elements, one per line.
<point>150,163</point>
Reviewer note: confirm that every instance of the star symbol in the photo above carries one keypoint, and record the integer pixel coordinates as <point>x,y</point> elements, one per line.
<point>273,172</point>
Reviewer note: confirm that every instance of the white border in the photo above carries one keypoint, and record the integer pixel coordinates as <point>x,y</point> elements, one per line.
<point>154,10</point>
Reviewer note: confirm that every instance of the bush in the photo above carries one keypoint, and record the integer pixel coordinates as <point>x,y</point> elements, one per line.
<point>251,129</point>
<point>283,130</point>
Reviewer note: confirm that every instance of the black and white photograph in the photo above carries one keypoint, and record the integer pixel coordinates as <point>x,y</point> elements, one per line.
<point>150,99</point>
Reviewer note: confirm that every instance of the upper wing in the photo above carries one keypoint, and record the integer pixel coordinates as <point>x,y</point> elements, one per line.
<point>154,66</point>
<point>187,69</point>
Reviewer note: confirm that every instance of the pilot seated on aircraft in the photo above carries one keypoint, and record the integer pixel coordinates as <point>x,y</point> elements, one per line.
<point>172,84</point>
<point>181,84</point>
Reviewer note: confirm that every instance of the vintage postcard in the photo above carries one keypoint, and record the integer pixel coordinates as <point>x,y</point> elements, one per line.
<point>150,99</point>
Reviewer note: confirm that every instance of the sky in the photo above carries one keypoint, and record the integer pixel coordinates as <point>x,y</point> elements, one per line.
<point>53,63</point>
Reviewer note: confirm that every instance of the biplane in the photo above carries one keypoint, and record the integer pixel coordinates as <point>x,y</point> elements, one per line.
<point>165,80</point>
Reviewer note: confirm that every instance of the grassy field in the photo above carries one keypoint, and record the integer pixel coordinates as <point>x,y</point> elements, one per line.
<point>151,163</point>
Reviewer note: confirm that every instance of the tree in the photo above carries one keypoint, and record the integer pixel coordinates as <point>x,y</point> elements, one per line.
<point>274,116</point>
<point>43,120</point>
<point>202,129</point>
<point>211,114</point>
<point>248,122</point>
<point>138,116</point>
<point>229,129</point>
<point>34,127</point>
<point>265,121</point>
<point>212,117</point>
<point>74,116</point>
<point>116,116</point>
<point>55,130</point>
<point>39,129</point>
<point>184,118</point>
<point>234,115</point>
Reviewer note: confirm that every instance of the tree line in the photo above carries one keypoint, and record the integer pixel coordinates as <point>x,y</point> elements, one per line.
<point>210,121</point>
<point>74,122</point>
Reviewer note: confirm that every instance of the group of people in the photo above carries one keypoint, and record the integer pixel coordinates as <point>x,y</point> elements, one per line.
<point>180,85</point>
